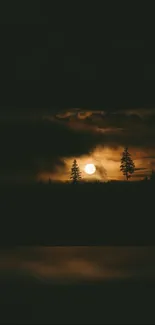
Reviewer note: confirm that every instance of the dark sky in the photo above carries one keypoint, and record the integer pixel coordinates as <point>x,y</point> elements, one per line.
<point>74,56</point>
<point>59,59</point>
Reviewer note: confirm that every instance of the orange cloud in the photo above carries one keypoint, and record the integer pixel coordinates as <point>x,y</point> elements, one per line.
<point>80,263</point>
<point>107,162</point>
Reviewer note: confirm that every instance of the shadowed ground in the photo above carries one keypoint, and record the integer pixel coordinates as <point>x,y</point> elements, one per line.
<point>89,214</point>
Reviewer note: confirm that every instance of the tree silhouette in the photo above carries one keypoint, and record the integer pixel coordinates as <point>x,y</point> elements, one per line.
<point>152,177</point>
<point>75,172</point>
<point>127,165</point>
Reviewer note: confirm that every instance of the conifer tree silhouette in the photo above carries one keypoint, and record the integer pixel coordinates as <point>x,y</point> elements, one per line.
<point>152,176</point>
<point>75,172</point>
<point>127,165</point>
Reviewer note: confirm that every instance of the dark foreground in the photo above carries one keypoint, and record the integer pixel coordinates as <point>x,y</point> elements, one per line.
<point>113,302</point>
<point>88,214</point>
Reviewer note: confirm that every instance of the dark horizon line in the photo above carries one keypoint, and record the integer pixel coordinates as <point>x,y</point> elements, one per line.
<point>80,182</point>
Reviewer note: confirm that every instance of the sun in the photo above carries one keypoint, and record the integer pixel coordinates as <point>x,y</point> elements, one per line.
<point>90,169</point>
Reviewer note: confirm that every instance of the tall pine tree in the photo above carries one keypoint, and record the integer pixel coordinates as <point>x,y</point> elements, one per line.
<point>75,172</point>
<point>152,176</point>
<point>127,165</point>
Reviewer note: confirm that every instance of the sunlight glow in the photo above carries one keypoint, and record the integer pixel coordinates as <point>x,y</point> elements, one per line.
<point>90,169</point>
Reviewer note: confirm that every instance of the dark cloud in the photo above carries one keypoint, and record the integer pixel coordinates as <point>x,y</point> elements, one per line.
<point>33,146</point>
<point>142,175</point>
<point>102,172</point>
<point>140,168</point>
<point>117,128</point>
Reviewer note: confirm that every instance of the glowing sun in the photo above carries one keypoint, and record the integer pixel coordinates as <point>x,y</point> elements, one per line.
<point>90,169</point>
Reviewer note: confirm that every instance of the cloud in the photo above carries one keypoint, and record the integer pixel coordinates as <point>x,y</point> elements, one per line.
<point>102,172</point>
<point>132,127</point>
<point>80,263</point>
<point>31,146</point>
<point>140,168</point>
<point>42,143</point>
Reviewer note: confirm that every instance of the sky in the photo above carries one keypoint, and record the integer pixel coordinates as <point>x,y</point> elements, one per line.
<point>73,86</point>
<point>80,263</point>
<point>44,146</point>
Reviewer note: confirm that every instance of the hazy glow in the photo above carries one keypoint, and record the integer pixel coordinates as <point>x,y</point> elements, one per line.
<point>105,159</point>
<point>79,262</point>
<point>90,169</point>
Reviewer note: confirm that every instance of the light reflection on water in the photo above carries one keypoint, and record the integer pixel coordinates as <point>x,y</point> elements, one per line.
<point>79,263</point>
